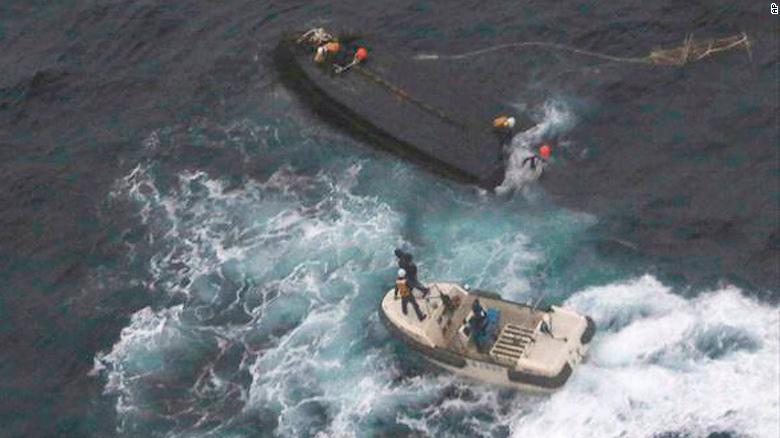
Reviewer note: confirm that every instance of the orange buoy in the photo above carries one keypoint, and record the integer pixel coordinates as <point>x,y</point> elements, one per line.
<point>544,151</point>
<point>361,54</point>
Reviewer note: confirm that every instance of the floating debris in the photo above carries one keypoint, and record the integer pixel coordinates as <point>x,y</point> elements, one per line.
<point>692,51</point>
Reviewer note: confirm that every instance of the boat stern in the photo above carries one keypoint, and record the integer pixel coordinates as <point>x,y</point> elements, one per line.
<point>561,342</point>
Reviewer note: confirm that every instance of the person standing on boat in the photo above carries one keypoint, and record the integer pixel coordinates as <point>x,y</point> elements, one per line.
<point>402,288</point>
<point>405,262</point>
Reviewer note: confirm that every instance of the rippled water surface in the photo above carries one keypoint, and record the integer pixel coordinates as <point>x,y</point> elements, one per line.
<point>188,251</point>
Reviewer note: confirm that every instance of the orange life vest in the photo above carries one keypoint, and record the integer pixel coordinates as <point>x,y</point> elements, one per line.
<point>327,49</point>
<point>501,122</point>
<point>403,288</point>
<point>332,47</point>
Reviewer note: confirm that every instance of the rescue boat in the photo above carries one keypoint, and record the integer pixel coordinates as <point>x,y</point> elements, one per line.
<point>513,345</point>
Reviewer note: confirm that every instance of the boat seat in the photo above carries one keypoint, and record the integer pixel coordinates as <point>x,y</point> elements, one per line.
<point>511,344</point>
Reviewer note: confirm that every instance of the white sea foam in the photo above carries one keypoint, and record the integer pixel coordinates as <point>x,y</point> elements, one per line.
<point>303,260</point>
<point>554,119</point>
<point>659,363</point>
<point>307,256</point>
<point>664,363</point>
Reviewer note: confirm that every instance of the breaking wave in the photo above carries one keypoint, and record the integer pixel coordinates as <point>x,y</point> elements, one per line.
<point>553,120</point>
<point>270,327</point>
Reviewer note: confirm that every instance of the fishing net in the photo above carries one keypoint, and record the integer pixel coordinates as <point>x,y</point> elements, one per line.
<point>692,51</point>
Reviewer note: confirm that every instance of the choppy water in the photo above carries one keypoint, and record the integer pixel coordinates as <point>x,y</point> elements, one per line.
<point>188,252</point>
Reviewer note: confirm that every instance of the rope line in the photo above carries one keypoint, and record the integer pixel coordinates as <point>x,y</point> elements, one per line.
<point>555,46</point>
<point>402,94</point>
<point>690,51</point>
<point>317,36</point>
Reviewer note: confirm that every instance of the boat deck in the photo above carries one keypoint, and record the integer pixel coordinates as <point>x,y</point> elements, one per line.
<point>513,314</point>
<point>440,329</point>
<point>519,340</point>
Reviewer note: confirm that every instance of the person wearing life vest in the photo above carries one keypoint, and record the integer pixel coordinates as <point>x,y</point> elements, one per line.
<point>405,262</point>
<point>403,289</point>
<point>541,158</point>
<point>504,122</point>
<point>504,127</point>
<point>327,50</point>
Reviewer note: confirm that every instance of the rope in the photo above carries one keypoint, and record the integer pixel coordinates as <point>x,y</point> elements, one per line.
<point>555,46</point>
<point>690,51</point>
<point>402,94</point>
<point>317,36</point>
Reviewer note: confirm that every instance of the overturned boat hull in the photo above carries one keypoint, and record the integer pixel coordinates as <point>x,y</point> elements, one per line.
<point>392,102</point>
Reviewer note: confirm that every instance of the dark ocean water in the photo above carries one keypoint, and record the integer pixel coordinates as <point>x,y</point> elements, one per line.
<point>187,251</point>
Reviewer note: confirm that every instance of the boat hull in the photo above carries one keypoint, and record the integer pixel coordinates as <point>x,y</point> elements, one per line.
<point>490,371</point>
<point>402,106</point>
